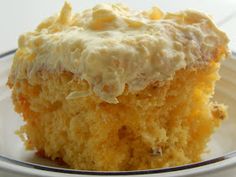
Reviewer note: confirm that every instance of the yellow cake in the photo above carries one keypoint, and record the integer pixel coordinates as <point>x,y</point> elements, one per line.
<point>111,88</point>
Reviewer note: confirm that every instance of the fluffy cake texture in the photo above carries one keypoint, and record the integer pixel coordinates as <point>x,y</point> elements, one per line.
<point>114,89</point>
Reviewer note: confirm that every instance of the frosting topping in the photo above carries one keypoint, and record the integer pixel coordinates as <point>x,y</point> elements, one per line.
<point>111,46</point>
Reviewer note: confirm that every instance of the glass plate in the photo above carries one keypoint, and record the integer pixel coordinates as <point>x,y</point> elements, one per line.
<point>221,158</point>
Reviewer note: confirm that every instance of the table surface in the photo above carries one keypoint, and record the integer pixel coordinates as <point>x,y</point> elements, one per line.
<point>17,17</point>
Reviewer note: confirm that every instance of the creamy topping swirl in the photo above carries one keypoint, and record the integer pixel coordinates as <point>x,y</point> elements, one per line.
<point>111,47</point>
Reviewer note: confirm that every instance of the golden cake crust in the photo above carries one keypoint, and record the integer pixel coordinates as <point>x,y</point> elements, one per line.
<point>163,125</point>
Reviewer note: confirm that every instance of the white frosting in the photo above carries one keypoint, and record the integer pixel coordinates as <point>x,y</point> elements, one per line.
<point>111,47</point>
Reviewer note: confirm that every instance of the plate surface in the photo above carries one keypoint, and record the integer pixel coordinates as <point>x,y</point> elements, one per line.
<point>222,142</point>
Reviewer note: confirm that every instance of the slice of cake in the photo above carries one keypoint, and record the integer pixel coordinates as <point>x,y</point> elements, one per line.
<point>110,88</point>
